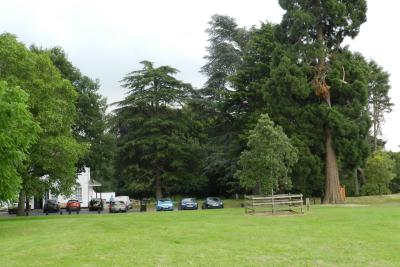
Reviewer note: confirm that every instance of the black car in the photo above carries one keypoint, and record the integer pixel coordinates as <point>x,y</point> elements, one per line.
<point>12,207</point>
<point>118,206</point>
<point>51,206</point>
<point>188,204</point>
<point>213,203</point>
<point>96,204</point>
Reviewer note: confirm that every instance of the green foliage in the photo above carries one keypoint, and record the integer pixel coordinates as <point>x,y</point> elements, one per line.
<point>268,159</point>
<point>223,143</point>
<point>18,132</point>
<point>278,64</point>
<point>91,126</point>
<point>52,104</point>
<point>157,143</point>
<point>395,184</point>
<point>154,87</point>
<point>379,101</point>
<point>370,189</point>
<point>225,52</point>
<point>314,31</point>
<point>379,172</point>
<point>338,19</point>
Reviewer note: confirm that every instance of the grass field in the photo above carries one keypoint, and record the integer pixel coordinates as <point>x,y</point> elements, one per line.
<point>349,235</point>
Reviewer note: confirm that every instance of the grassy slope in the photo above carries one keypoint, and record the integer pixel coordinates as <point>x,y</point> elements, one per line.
<point>326,236</point>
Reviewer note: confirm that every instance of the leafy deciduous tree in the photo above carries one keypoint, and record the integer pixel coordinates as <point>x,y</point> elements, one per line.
<point>379,172</point>
<point>52,104</point>
<point>269,158</point>
<point>18,131</point>
<point>91,126</point>
<point>378,98</point>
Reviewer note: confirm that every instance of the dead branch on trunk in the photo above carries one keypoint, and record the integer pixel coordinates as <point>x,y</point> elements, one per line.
<point>319,83</point>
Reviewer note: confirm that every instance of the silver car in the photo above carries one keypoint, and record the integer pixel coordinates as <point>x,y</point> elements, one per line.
<point>118,206</point>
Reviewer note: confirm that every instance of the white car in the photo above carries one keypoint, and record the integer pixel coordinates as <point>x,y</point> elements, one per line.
<point>125,199</point>
<point>3,206</point>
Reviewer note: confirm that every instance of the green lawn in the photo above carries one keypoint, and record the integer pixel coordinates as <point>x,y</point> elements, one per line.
<point>349,235</point>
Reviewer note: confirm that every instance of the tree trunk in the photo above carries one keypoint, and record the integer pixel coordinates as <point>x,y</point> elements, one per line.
<point>361,171</point>
<point>332,184</point>
<point>356,183</point>
<point>21,203</point>
<point>375,122</point>
<point>257,188</point>
<point>158,188</point>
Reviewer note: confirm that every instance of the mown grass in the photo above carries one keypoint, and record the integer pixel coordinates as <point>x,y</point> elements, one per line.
<point>325,236</point>
<point>372,200</point>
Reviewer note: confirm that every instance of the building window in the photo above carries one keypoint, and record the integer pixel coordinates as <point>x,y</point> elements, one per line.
<point>78,193</point>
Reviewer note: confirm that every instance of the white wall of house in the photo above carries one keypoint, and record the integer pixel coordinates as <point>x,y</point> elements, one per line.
<point>84,191</point>
<point>81,192</point>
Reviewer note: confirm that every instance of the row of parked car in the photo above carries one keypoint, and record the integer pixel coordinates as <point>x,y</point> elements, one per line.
<point>123,204</point>
<point>51,205</point>
<point>165,204</point>
<point>119,204</point>
<point>96,204</point>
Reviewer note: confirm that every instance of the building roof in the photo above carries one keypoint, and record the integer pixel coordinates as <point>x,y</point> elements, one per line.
<point>94,183</point>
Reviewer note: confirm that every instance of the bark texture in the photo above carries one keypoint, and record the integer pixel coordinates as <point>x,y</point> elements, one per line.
<point>21,203</point>
<point>158,188</point>
<point>356,183</point>
<point>322,90</point>
<point>332,183</point>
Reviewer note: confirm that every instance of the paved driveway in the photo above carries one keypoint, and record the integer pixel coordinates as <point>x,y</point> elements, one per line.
<point>38,212</point>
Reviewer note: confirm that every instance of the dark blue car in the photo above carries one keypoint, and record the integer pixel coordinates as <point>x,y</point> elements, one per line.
<point>164,204</point>
<point>189,204</point>
<point>213,203</point>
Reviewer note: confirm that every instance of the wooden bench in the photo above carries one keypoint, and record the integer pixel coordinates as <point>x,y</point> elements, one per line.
<point>274,203</point>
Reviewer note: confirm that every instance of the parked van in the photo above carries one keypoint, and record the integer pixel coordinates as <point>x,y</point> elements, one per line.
<point>125,199</point>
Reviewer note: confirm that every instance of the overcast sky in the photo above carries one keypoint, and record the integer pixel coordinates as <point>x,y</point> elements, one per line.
<point>107,39</point>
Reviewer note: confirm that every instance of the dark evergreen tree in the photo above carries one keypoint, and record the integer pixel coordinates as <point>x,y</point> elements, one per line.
<point>317,29</point>
<point>227,42</point>
<point>225,52</point>
<point>156,146</point>
<point>313,88</point>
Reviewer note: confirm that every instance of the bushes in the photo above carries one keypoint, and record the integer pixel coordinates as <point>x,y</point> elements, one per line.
<point>379,173</point>
<point>370,189</point>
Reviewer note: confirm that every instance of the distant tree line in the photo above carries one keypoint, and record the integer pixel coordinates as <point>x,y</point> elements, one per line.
<point>285,108</point>
<point>322,96</point>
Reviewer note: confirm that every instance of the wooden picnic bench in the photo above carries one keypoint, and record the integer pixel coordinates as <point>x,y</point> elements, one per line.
<point>273,203</point>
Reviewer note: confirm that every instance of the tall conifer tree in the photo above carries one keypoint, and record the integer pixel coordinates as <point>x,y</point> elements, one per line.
<point>317,28</point>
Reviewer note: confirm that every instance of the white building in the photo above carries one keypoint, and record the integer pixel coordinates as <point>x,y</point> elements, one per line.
<point>83,191</point>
